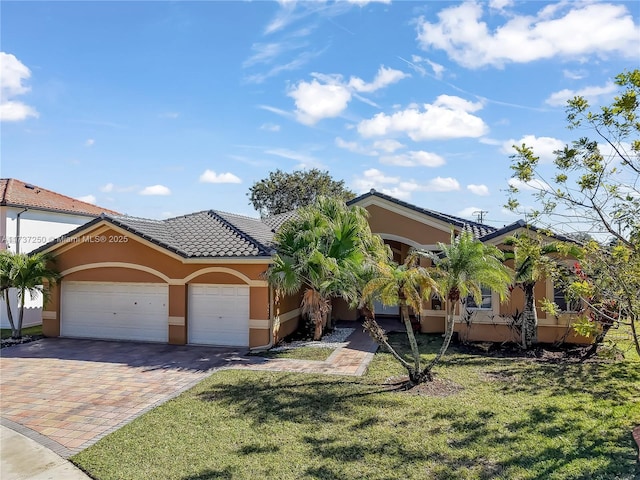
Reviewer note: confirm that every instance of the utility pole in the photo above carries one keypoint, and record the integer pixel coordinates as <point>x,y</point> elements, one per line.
<point>480,215</point>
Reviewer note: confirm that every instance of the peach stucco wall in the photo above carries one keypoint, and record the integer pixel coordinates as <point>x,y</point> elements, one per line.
<point>125,260</point>
<point>383,221</point>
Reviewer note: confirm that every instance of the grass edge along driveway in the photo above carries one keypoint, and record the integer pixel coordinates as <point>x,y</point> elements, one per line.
<point>513,419</point>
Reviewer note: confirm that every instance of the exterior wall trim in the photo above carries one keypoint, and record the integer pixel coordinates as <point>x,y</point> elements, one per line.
<point>259,324</point>
<point>406,241</point>
<point>290,315</point>
<point>49,315</point>
<point>178,321</point>
<point>132,266</point>
<point>241,276</point>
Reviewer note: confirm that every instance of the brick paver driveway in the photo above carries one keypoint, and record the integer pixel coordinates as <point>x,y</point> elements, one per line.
<point>67,394</point>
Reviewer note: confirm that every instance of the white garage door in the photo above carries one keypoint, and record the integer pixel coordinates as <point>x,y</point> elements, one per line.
<point>117,311</point>
<point>219,315</point>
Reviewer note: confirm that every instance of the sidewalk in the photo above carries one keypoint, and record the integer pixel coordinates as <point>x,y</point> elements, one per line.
<point>24,459</point>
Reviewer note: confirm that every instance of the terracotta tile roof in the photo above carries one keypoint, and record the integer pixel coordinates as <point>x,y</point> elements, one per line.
<point>16,193</point>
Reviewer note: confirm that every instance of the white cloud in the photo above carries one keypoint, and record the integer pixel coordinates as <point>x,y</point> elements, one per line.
<point>11,111</point>
<point>90,142</point>
<point>543,147</point>
<point>394,186</point>
<point>533,185</point>
<point>12,75</point>
<point>270,127</point>
<point>574,74</point>
<point>388,145</point>
<point>169,115</point>
<point>448,117</point>
<point>306,161</point>
<point>414,159</point>
<point>440,184</point>
<point>592,93</point>
<point>327,96</point>
<point>384,77</point>
<point>155,190</point>
<point>315,101</point>
<point>373,178</point>
<point>87,198</point>
<point>209,176</point>
<point>469,213</point>
<point>500,4</point>
<point>355,147</point>
<point>107,188</point>
<point>565,30</point>
<point>481,189</point>
<point>362,3</point>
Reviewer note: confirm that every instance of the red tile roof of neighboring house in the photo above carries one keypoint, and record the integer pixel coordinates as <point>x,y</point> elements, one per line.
<point>16,193</point>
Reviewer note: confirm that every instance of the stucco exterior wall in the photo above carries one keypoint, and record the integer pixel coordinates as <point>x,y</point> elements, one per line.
<point>109,254</point>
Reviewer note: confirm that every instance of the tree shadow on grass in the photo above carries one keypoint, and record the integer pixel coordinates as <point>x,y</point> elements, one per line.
<point>571,444</point>
<point>225,474</point>
<point>281,399</point>
<point>616,383</point>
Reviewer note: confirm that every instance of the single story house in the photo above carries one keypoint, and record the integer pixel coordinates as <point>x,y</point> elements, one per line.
<point>404,226</point>
<point>192,279</point>
<point>198,278</point>
<point>31,216</point>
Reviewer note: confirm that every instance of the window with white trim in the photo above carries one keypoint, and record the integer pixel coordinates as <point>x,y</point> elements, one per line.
<point>485,304</point>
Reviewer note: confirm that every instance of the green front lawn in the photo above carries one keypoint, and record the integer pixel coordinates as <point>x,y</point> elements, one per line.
<point>35,330</point>
<point>299,353</point>
<point>513,419</point>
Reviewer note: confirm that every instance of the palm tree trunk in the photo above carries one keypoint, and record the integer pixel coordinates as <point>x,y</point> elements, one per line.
<point>20,314</point>
<point>378,334</point>
<point>530,317</point>
<point>447,337</point>
<point>404,313</point>
<point>14,333</point>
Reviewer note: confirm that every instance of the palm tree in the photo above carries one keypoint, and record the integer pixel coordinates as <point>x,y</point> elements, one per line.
<point>463,268</point>
<point>533,260</point>
<point>28,274</point>
<point>406,285</point>
<point>324,250</point>
<point>6,262</point>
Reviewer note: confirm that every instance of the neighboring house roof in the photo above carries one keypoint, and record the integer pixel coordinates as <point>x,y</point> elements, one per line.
<point>206,234</point>
<point>276,221</point>
<point>16,193</point>
<point>477,229</point>
<point>512,228</point>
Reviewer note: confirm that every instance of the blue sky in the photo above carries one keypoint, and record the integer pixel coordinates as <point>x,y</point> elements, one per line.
<point>158,109</point>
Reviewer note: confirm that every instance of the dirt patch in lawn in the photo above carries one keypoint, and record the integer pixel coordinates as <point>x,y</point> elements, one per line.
<point>438,387</point>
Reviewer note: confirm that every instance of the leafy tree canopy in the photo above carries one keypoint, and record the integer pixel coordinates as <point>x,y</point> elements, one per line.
<point>282,192</point>
<point>594,186</point>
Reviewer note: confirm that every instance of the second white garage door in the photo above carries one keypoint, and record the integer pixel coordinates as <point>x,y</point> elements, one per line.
<point>116,311</point>
<point>218,315</point>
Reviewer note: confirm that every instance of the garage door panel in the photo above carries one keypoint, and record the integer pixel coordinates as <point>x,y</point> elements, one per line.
<point>119,311</point>
<point>218,315</point>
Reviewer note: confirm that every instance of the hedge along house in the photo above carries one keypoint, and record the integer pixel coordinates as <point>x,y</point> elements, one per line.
<point>404,226</point>
<point>193,279</point>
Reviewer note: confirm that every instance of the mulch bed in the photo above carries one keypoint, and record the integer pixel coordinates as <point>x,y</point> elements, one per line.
<point>541,352</point>
<point>10,342</point>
